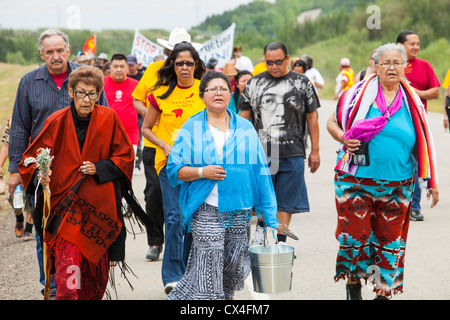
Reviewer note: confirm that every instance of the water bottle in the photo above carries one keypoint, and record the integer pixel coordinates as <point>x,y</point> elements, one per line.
<point>18,198</point>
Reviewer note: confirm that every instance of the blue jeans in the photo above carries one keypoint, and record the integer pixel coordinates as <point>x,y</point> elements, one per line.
<point>290,187</point>
<point>173,265</point>
<point>417,195</point>
<point>40,257</point>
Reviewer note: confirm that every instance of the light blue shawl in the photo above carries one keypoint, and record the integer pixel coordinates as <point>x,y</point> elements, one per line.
<point>247,186</point>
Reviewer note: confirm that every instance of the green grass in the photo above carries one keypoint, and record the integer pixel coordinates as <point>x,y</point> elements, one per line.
<point>10,75</point>
<point>327,54</point>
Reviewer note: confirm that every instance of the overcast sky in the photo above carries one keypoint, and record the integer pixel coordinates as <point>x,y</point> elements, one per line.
<point>112,14</point>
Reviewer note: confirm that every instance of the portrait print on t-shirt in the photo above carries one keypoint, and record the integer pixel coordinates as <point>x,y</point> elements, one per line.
<point>279,107</point>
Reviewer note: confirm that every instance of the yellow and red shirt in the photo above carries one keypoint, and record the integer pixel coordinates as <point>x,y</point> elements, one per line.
<point>179,106</point>
<point>142,90</point>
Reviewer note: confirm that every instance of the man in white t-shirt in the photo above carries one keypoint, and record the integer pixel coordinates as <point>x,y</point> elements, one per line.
<point>242,62</point>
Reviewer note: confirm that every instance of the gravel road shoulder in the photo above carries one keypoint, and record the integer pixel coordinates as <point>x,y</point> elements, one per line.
<point>19,270</point>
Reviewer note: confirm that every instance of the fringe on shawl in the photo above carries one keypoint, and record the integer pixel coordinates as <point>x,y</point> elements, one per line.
<point>59,243</point>
<point>371,282</point>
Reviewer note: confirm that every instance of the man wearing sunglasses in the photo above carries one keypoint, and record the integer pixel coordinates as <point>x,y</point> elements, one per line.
<point>281,103</point>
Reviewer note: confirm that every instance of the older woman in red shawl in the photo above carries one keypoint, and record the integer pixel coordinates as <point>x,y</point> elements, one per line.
<point>90,173</point>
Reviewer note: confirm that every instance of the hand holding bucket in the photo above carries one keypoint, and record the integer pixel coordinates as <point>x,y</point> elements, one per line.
<point>284,230</point>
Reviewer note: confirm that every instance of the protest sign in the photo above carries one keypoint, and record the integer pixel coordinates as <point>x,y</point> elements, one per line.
<point>219,48</point>
<point>144,49</point>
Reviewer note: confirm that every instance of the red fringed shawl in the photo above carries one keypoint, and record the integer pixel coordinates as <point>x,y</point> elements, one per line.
<point>83,211</point>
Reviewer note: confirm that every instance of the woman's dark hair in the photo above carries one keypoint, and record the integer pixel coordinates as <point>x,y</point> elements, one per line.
<point>300,63</point>
<point>167,75</point>
<point>401,38</point>
<point>211,75</point>
<point>308,60</point>
<point>236,89</point>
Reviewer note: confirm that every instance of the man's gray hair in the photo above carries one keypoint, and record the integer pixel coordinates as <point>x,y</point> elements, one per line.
<point>390,47</point>
<point>50,33</point>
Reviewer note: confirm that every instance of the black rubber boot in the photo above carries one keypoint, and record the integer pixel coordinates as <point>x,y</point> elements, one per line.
<point>354,291</point>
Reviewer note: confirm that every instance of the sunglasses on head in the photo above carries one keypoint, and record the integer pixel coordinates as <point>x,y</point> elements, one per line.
<point>182,63</point>
<point>277,62</point>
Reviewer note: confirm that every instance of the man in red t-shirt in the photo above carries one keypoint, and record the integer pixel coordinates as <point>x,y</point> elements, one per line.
<point>419,72</point>
<point>421,76</point>
<point>118,90</point>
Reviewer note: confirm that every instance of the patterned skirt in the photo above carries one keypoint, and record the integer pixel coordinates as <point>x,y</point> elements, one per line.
<point>219,261</point>
<point>373,222</point>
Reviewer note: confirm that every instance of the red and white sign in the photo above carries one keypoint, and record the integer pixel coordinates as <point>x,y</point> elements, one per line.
<point>144,49</point>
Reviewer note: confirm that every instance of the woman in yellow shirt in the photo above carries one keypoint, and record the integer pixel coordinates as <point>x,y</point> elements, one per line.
<point>173,99</point>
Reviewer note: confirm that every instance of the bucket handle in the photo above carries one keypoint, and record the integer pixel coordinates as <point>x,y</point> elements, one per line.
<point>267,241</point>
<point>265,237</point>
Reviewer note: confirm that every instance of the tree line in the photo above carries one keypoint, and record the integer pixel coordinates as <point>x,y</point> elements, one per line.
<point>260,22</point>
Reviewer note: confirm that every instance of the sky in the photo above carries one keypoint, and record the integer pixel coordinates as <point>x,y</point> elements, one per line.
<point>113,14</point>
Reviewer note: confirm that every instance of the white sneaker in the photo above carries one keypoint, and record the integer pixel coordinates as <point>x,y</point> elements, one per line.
<point>258,237</point>
<point>169,287</point>
<point>136,171</point>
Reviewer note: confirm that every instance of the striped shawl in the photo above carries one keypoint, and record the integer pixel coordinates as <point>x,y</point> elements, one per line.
<point>354,104</point>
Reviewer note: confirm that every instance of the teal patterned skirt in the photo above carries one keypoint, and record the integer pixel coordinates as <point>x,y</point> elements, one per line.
<point>372,228</point>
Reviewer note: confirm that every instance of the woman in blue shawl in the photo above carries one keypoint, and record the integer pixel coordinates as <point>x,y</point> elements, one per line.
<point>221,168</point>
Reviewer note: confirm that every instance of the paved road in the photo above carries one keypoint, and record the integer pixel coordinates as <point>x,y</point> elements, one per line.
<point>427,254</point>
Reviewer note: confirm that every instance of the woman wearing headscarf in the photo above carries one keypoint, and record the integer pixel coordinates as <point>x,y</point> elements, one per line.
<point>173,99</point>
<point>381,125</point>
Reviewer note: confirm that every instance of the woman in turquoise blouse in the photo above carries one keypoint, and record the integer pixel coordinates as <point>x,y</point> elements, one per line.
<point>221,168</point>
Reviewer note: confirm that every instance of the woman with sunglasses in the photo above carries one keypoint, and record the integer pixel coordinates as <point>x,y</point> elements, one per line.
<point>173,99</point>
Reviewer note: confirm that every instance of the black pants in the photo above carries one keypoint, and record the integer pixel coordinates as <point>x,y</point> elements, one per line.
<point>137,164</point>
<point>153,199</point>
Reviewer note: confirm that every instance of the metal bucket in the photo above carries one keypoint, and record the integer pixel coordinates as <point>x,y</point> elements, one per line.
<point>272,268</point>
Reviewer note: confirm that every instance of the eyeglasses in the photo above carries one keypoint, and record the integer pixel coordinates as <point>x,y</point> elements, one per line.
<point>218,90</point>
<point>277,62</point>
<point>396,65</point>
<point>182,63</point>
<point>270,103</point>
<point>82,95</point>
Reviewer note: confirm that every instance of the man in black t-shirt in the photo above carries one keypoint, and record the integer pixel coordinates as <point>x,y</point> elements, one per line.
<point>280,104</point>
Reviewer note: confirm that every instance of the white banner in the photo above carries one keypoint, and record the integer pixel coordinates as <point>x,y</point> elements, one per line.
<point>144,49</point>
<point>220,48</point>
